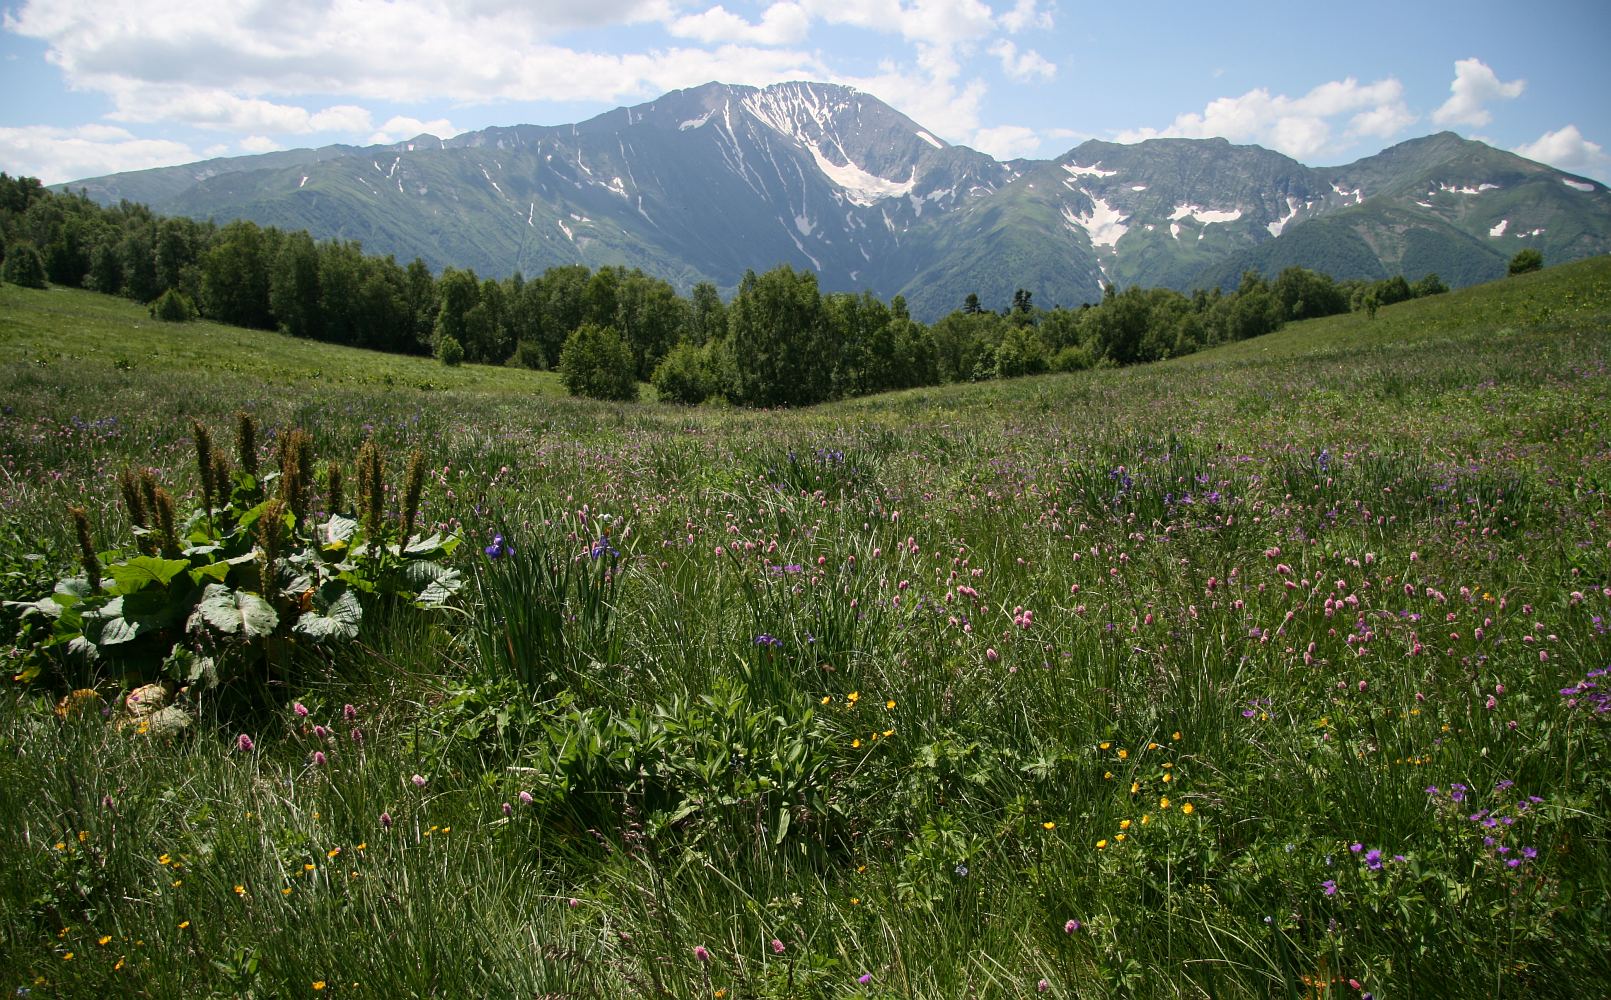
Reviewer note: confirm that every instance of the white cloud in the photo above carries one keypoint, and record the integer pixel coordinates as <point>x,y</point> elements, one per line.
<point>61,154</point>
<point>236,66</point>
<point>215,108</point>
<point>1297,126</point>
<point>937,23</point>
<point>1006,142</point>
<point>1474,86</point>
<point>782,24</point>
<point>1026,14</point>
<point>259,144</point>
<point>1025,66</point>
<point>1567,149</point>
<point>936,102</point>
<point>270,72</point>
<point>402,127</point>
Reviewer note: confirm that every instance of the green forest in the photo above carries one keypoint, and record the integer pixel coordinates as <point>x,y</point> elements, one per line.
<point>775,340</point>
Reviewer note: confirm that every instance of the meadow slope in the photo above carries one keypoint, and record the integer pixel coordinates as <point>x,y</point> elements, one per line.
<point>1275,670</point>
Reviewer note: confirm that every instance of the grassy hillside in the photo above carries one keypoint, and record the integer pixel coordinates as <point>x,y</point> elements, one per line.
<point>1276,670</point>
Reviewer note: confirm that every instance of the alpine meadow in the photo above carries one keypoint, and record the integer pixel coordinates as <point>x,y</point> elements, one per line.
<point>801,500</point>
<point>1278,669</point>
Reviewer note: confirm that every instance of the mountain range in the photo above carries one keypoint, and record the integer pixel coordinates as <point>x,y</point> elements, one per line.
<point>705,183</point>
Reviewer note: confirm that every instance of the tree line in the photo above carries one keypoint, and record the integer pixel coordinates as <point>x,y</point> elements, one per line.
<point>777,341</point>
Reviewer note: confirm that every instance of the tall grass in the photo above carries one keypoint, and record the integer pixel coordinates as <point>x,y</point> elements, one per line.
<point>1277,671</point>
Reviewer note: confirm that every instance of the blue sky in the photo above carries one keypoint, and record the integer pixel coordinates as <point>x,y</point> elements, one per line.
<point>98,86</point>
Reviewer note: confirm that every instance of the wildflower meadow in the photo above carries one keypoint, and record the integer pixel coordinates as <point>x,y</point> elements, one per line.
<point>1278,670</point>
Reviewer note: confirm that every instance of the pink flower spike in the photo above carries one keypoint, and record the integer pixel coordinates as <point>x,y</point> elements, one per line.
<point>777,946</point>
<point>300,709</point>
<point>385,821</point>
<point>349,713</point>
<point>244,743</point>
<point>418,780</point>
<point>700,953</point>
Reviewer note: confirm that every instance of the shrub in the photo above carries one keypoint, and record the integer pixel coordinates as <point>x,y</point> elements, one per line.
<point>449,351</point>
<point>173,306</point>
<point>24,266</point>
<point>684,375</point>
<point>1525,261</point>
<point>595,362</point>
<point>529,354</point>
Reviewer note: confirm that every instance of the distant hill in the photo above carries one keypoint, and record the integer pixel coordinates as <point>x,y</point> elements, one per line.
<point>705,183</point>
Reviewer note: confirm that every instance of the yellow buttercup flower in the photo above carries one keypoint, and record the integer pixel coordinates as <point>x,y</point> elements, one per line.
<point>1124,824</point>
<point>1048,825</point>
<point>1188,809</point>
<point>1101,845</point>
<point>1103,746</point>
<point>1163,803</point>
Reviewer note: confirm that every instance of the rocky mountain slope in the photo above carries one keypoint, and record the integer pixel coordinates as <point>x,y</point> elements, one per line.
<point>702,184</point>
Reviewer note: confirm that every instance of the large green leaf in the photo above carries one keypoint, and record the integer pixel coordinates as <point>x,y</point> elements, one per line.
<point>143,571</point>
<point>338,531</point>
<point>434,582</point>
<point>337,623</point>
<point>236,612</point>
<point>118,630</point>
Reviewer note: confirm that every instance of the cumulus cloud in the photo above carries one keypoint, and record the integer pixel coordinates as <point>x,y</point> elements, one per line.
<point>271,72</point>
<point>259,144</point>
<point>402,127</point>
<point>1473,87</point>
<point>1006,142</point>
<point>1022,66</point>
<point>1567,149</point>
<point>782,24</point>
<point>61,154</point>
<point>1298,126</point>
<point>234,67</point>
<point>1026,14</point>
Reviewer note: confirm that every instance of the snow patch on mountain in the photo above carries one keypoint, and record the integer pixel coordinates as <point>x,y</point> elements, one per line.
<point>1281,223</point>
<point>1095,170</point>
<point>1576,185</point>
<point>1104,224</point>
<point>860,186</point>
<point>616,187</point>
<point>1205,216</point>
<point>1499,228</point>
<point>696,122</point>
<point>937,144</point>
<point>1467,189</point>
<point>304,180</point>
<point>566,230</point>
